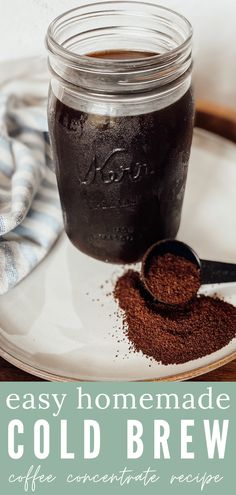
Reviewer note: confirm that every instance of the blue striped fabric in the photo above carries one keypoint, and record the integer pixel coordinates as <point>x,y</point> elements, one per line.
<point>30,213</point>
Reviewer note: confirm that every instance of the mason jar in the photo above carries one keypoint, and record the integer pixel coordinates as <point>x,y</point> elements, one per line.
<point>120,118</point>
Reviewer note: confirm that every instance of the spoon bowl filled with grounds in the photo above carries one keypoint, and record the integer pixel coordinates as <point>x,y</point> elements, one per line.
<point>171,272</point>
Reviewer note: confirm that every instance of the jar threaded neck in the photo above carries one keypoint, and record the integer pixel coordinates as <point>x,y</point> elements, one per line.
<point>131,25</point>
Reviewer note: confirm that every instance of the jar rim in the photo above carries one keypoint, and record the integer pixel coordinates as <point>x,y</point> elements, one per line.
<point>54,47</point>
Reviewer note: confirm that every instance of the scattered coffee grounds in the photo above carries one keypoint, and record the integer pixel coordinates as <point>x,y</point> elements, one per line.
<point>171,337</point>
<point>173,279</point>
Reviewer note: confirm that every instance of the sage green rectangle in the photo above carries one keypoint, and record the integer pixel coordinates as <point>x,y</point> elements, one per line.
<point>146,404</point>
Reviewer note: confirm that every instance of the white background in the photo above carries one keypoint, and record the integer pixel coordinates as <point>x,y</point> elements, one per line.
<point>23,24</point>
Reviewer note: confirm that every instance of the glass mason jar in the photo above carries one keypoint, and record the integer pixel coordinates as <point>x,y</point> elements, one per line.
<point>120,117</point>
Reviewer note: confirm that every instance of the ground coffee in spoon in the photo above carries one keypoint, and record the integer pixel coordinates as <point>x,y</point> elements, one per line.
<point>204,326</point>
<point>173,279</point>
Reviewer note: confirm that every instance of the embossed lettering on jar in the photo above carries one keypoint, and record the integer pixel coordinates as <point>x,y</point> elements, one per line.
<point>120,124</point>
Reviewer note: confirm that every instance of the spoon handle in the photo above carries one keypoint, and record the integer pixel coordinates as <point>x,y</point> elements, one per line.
<point>215,272</point>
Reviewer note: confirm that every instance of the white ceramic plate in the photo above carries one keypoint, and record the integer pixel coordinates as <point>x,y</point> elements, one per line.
<point>60,324</point>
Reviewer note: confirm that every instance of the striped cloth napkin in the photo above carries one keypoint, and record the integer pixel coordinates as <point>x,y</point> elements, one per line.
<point>30,214</point>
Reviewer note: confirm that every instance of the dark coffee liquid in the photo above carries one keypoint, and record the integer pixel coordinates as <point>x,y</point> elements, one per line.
<point>121,54</point>
<point>121,179</point>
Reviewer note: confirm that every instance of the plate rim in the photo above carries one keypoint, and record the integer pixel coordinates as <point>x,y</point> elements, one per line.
<point>53,377</point>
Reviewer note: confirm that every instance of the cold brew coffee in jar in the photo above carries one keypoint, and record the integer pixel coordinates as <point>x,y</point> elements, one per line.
<point>121,119</point>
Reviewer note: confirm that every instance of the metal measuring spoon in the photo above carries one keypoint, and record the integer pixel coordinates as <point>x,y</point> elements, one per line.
<point>211,272</point>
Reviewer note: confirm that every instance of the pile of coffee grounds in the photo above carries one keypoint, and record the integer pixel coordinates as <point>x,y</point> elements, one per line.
<point>204,326</point>
<point>173,279</point>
